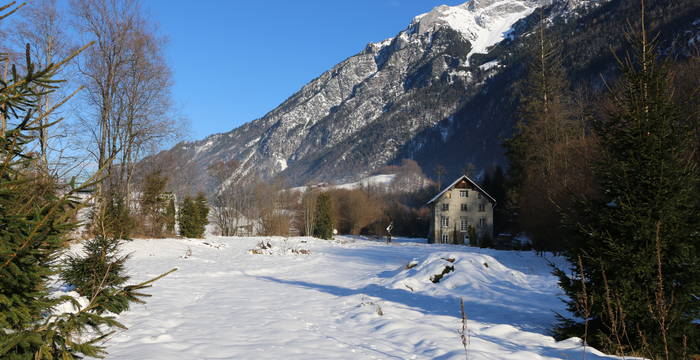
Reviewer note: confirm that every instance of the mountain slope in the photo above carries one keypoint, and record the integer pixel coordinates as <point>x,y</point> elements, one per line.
<point>443,91</point>
<point>356,117</point>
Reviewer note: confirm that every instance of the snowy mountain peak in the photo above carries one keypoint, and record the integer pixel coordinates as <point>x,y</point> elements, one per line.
<point>483,23</point>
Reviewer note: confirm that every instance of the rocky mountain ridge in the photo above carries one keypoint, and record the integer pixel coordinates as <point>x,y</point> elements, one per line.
<point>443,91</point>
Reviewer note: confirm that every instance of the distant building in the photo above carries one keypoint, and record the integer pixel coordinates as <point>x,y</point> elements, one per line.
<point>457,208</point>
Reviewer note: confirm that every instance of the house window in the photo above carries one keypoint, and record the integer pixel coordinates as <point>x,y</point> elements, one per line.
<point>445,207</point>
<point>463,193</point>
<point>445,238</point>
<point>444,221</point>
<point>482,222</point>
<point>464,224</point>
<point>482,207</point>
<point>463,207</point>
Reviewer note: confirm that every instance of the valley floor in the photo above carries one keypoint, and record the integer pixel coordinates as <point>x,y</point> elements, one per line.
<point>350,298</point>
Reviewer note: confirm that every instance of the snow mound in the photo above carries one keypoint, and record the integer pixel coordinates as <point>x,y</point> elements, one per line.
<point>477,277</point>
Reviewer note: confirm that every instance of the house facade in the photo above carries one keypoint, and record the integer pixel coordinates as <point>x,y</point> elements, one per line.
<point>461,209</point>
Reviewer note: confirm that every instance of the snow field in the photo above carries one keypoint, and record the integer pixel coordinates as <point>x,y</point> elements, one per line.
<point>346,299</point>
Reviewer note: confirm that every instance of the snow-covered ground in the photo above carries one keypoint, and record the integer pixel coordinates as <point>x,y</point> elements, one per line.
<point>347,299</point>
<point>381,180</point>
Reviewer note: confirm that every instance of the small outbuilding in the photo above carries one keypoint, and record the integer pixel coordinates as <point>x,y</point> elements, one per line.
<point>461,211</point>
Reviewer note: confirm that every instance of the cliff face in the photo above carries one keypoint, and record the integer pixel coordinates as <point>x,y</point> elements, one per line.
<point>441,92</point>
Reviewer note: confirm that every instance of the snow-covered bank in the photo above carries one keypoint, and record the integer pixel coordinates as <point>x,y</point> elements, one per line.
<point>346,299</point>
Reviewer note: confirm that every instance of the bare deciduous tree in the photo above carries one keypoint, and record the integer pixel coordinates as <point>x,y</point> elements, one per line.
<point>128,83</point>
<point>232,203</point>
<point>308,207</point>
<point>409,177</point>
<point>355,210</point>
<point>271,208</point>
<point>42,26</point>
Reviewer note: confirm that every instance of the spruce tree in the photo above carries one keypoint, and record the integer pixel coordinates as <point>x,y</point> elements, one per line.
<point>494,183</point>
<point>193,217</point>
<point>100,267</point>
<point>35,219</point>
<point>637,254</point>
<point>170,216</point>
<point>153,204</point>
<point>539,167</point>
<point>187,218</point>
<point>202,206</point>
<point>323,228</point>
<point>117,221</point>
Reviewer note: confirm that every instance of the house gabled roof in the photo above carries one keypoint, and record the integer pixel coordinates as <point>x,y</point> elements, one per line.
<point>463,177</point>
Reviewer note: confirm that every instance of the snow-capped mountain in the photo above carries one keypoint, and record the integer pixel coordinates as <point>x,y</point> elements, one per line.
<point>483,23</point>
<point>440,92</point>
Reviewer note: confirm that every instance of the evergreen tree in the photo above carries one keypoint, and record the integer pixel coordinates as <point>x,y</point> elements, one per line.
<point>202,210</point>
<point>99,268</point>
<point>153,204</point>
<point>187,218</point>
<point>494,183</point>
<point>34,223</point>
<point>170,216</point>
<point>194,216</point>
<point>323,228</point>
<point>539,151</point>
<point>117,221</point>
<point>638,246</point>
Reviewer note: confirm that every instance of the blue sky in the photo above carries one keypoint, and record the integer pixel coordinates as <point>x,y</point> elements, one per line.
<point>235,60</point>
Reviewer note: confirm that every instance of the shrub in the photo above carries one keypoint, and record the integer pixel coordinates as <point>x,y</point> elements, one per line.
<point>486,240</point>
<point>473,241</point>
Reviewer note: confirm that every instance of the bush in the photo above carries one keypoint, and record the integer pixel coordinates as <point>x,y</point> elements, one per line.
<point>486,240</point>
<point>473,241</point>
<point>276,224</point>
